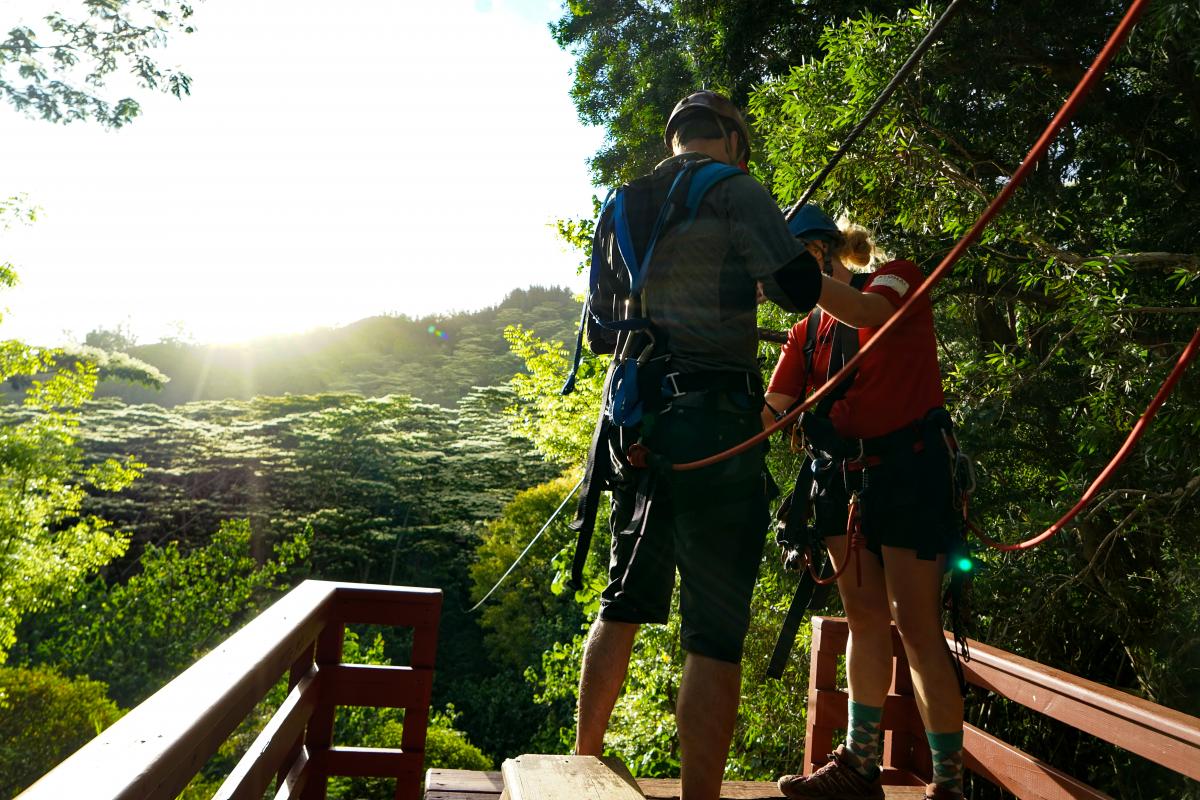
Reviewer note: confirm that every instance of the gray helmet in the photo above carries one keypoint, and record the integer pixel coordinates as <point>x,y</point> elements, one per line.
<point>717,104</point>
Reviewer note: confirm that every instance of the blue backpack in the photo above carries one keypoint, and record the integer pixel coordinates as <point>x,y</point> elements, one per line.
<point>632,220</point>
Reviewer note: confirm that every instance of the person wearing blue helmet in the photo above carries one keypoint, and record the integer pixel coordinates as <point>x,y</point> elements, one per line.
<point>811,224</point>
<point>885,439</point>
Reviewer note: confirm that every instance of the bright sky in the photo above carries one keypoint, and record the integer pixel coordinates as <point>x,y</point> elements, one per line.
<point>394,156</point>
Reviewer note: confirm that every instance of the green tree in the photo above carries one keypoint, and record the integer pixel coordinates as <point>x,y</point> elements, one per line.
<point>137,635</point>
<point>47,545</point>
<point>57,68</point>
<point>44,717</point>
<point>1055,329</point>
<point>635,60</point>
<point>530,612</point>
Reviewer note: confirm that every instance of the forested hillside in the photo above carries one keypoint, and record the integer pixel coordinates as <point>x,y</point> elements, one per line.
<point>437,358</point>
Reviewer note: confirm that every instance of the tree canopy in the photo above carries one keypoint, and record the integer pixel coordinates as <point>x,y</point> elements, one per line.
<point>59,68</point>
<point>1055,330</point>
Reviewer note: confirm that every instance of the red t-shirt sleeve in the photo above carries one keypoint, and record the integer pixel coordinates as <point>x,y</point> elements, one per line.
<point>895,280</point>
<point>788,377</point>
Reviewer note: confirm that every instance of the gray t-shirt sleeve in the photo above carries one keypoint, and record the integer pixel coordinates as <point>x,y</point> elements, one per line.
<point>758,232</point>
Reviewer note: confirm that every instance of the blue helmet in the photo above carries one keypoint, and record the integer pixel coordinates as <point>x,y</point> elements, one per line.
<point>810,222</point>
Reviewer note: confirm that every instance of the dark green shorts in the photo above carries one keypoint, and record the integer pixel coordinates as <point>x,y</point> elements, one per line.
<point>907,503</point>
<point>710,524</point>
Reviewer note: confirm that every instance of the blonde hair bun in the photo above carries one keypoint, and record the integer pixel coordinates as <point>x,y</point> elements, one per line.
<point>857,247</point>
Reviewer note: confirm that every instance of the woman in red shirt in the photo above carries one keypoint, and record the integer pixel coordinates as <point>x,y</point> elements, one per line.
<point>881,439</point>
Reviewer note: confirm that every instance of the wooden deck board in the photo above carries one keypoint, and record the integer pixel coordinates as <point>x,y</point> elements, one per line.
<point>458,784</point>
<point>536,776</point>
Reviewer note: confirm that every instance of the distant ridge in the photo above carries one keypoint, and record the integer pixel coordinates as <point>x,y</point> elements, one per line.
<point>374,356</point>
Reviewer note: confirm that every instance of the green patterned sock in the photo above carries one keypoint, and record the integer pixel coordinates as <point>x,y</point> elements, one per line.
<point>862,739</point>
<point>947,760</point>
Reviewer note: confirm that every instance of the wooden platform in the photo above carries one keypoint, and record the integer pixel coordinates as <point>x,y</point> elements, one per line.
<point>461,784</point>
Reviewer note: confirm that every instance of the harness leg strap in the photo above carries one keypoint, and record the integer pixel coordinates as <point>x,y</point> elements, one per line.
<point>809,595</point>
<point>596,474</point>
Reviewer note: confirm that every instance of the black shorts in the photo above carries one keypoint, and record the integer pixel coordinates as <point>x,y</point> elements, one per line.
<point>907,502</point>
<point>709,523</point>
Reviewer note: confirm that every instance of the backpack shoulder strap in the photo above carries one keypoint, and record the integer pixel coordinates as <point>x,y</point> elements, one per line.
<point>704,178</point>
<point>604,221</point>
<point>691,184</point>
<point>847,336</point>
<point>811,327</point>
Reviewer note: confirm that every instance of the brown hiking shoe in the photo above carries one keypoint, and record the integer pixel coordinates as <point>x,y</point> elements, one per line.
<point>935,791</point>
<point>836,780</point>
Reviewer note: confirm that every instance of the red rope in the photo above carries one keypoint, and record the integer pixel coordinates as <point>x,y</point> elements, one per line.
<point>855,541</point>
<point>1068,109</point>
<point>1185,358</point>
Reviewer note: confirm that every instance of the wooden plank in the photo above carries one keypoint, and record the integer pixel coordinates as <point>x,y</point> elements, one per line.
<point>668,789</point>
<point>378,686</point>
<point>265,757</point>
<point>300,667</point>
<point>1165,736</point>
<point>396,606</point>
<point>828,640</point>
<point>292,784</point>
<point>899,712</point>
<point>463,780</point>
<point>372,762</point>
<point>470,785</point>
<point>905,747</point>
<point>153,751</point>
<point>552,777</point>
<point>1019,773</point>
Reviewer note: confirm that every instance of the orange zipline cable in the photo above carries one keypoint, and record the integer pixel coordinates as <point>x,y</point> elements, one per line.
<point>1068,109</point>
<point>1185,358</point>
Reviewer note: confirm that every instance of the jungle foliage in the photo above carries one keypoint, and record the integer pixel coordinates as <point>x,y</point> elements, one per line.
<point>58,67</point>
<point>365,454</point>
<point>1056,329</point>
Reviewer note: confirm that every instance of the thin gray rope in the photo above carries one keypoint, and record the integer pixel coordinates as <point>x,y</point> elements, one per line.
<point>532,541</point>
<point>874,110</point>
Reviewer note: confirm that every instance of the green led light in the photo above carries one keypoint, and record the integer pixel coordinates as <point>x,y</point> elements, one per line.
<point>965,564</point>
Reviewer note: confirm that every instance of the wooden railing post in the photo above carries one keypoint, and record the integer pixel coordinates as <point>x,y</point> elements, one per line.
<point>416,717</point>
<point>828,642</point>
<point>904,749</point>
<point>318,738</point>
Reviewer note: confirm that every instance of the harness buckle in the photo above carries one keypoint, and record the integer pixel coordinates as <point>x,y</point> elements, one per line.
<point>669,378</point>
<point>962,465</point>
<point>648,350</point>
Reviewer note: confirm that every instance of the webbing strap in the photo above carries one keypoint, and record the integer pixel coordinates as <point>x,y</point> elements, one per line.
<point>637,278</point>
<point>593,274</point>
<point>810,594</point>
<point>596,473</point>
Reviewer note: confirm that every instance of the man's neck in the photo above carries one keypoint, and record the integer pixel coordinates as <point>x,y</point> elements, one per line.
<point>716,149</point>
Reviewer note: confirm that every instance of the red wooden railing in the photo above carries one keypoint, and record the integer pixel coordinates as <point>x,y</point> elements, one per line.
<point>154,750</point>
<point>1167,737</point>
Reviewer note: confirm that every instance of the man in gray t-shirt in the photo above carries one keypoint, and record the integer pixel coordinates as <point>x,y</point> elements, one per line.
<point>702,286</point>
<point>709,523</point>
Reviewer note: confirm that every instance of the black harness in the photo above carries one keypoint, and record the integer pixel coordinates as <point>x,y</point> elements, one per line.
<point>793,533</point>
